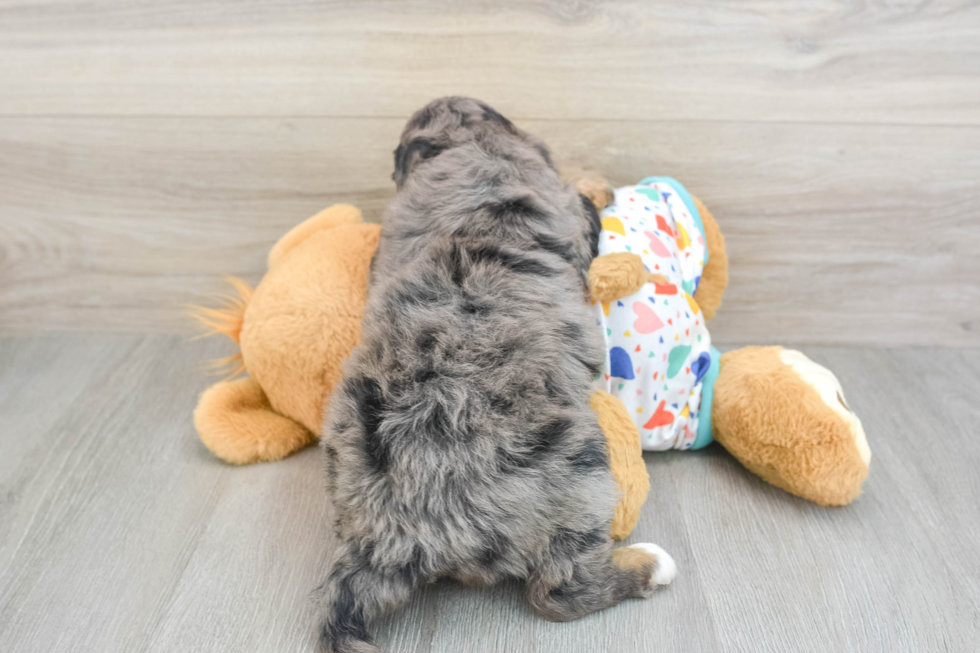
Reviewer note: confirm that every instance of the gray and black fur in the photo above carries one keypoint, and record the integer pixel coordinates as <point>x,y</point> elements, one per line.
<point>461,442</point>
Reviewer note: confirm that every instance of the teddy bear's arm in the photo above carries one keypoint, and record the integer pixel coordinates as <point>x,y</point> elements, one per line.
<point>618,275</point>
<point>714,277</point>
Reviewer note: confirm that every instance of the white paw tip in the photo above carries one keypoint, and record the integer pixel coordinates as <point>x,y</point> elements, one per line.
<point>666,567</point>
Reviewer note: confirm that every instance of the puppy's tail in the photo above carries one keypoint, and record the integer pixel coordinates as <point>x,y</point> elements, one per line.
<point>355,593</point>
<point>343,625</point>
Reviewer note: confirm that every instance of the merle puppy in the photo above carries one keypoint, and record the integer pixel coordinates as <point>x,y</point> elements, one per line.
<point>461,442</point>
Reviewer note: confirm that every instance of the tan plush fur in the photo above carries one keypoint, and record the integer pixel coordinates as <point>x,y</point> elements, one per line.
<point>626,460</point>
<point>599,191</point>
<point>714,277</point>
<point>614,276</point>
<point>294,330</point>
<point>226,320</point>
<point>771,420</point>
<point>326,219</point>
<point>305,318</point>
<point>777,425</point>
<point>237,423</point>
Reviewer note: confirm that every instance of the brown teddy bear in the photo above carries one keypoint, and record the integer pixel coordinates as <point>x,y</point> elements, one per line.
<point>296,328</point>
<point>293,331</point>
<point>660,275</point>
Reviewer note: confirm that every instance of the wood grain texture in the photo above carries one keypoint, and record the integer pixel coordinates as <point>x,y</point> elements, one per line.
<point>901,61</point>
<point>147,148</point>
<point>837,233</point>
<point>120,532</point>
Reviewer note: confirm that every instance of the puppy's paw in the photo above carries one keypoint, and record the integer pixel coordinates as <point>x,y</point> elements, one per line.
<point>664,567</point>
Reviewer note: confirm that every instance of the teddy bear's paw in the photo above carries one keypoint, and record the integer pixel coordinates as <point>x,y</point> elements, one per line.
<point>236,421</point>
<point>664,567</point>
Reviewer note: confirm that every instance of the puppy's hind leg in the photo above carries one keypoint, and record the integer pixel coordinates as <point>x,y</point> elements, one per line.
<point>584,574</point>
<point>355,593</point>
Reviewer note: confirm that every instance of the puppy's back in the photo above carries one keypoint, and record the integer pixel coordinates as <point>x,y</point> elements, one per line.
<point>468,401</point>
<point>461,441</point>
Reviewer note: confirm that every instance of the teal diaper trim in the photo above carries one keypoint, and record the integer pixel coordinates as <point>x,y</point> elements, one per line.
<point>686,198</point>
<point>704,436</point>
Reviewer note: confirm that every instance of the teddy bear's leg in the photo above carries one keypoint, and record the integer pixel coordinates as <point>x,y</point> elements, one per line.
<point>784,417</point>
<point>625,459</point>
<point>334,216</point>
<point>237,423</point>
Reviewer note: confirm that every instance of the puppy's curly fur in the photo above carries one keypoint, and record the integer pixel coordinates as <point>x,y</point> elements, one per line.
<point>461,442</point>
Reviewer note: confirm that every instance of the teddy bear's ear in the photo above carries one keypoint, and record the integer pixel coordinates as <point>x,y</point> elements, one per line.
<point>714,277</point>
<point>599,192</point>
<point>334,216</point>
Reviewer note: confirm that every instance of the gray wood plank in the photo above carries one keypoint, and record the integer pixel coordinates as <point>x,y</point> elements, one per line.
<point>118,508</point>
<point>898,62</point>
<point>65,372</point>
<point>894,570</point>
<point>837,233</point>
<point>121,533</point>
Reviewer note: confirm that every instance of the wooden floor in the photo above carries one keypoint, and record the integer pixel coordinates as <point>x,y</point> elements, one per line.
<point>120,532</point>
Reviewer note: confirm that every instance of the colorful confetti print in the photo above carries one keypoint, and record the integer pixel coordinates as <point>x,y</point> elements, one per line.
<point>658,350</point>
